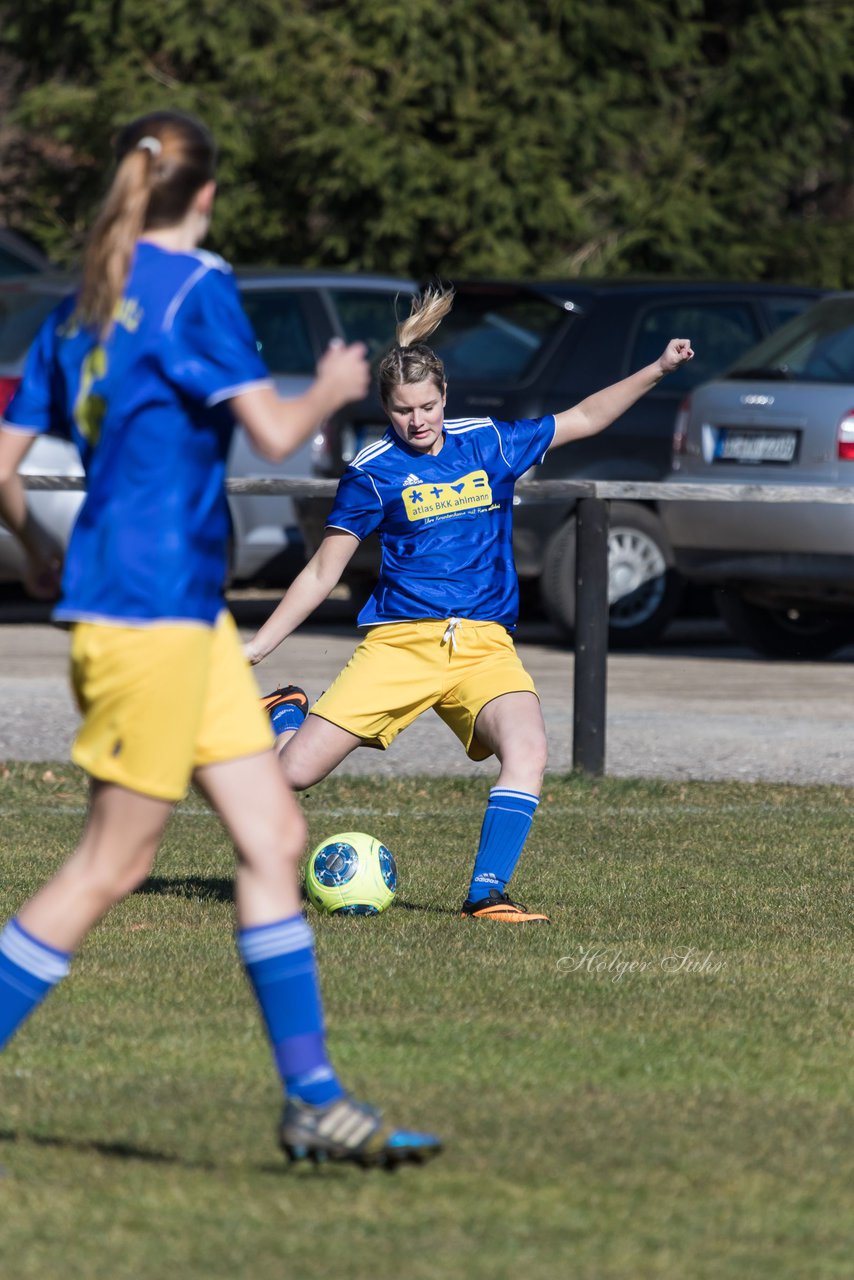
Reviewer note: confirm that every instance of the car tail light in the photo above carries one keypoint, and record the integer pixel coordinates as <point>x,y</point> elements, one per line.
<point>680,428</point>
<point>845,438</point>
<point>8,387</point>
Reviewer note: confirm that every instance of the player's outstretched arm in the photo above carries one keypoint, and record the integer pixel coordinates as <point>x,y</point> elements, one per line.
<point>602,408</point>
<point>43,552</point>
<point>308,590</point>
<point>277,427</point>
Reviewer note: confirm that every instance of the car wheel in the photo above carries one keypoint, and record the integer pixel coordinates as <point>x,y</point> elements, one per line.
<point>796,634</point>
<point>643,589</point>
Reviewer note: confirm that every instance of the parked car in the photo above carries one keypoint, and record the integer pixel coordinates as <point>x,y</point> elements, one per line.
<point>518,350</point>
<point>782,414</point>
<point>294,315</point>
<point>18,255</point>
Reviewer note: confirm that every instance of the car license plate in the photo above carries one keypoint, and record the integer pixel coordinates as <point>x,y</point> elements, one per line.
<point>734,445</point>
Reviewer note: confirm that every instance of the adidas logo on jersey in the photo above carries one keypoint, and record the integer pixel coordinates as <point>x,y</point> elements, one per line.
<point>411,479</point>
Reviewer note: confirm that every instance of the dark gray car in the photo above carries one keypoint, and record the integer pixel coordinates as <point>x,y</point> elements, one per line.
<point>520,350</point>
<point>783,414</point>
<point>295,315</point>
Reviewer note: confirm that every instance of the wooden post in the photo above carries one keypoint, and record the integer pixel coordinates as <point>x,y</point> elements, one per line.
<point>591,637</point>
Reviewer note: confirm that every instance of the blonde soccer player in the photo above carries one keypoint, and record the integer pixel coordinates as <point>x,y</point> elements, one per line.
<point>439,622</point>
<point>147,368</point>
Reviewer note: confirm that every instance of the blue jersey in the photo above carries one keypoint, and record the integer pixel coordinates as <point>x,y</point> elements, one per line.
<point>147,408</point>
<point>444,521</point>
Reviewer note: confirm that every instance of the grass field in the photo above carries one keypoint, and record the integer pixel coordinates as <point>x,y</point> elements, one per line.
<point>659,1085</point>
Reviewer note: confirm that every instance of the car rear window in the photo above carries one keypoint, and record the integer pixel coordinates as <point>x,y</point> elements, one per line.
<point>281,331</point>
<point>719,333</point>
<point>279,318</point>
<point>496,338</point>
<point>370,315</point>
<point>817,346</point>
<point>21,314</point>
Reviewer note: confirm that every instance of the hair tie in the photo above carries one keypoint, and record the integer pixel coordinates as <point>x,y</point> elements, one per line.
<point>154,145</point>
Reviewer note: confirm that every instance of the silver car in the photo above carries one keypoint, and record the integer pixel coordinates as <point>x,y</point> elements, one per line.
<point>294,315</point>
<point>783,414</point>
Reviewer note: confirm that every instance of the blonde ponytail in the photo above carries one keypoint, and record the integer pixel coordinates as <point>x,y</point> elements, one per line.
<point>411,360</point>
<point>428,310</point>
<point>112,240</point>
<point>163,159</point>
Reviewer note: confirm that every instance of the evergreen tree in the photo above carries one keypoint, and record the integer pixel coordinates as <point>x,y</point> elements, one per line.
<point>479,137</point>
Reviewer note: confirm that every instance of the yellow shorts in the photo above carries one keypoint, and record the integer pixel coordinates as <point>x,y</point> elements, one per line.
<point>161,701</point>
<point>402,668</point>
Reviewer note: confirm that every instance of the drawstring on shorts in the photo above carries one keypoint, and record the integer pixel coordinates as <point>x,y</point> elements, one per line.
<point>450,636</point>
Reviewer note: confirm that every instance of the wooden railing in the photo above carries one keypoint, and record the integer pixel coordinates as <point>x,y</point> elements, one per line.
<point>592,499</point>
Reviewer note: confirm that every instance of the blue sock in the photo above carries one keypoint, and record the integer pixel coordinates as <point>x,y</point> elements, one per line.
<point>286,716</point>
<point>282,969</point>
<point>506,824</point>
<point>29,969</point>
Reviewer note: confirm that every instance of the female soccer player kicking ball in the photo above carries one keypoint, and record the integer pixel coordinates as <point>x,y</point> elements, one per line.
<point>146,369</point>
<point>440,494</point>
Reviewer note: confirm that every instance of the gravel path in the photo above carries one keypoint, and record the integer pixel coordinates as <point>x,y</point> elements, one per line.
<point>692,709</point>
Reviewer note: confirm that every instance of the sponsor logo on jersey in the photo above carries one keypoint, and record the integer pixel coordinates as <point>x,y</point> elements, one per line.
<point>470,492</point>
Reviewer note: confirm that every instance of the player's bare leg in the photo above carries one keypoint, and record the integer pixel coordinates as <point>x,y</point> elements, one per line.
<point>512,727</point>
<point>115,855</point>
<point>119,842</point>
<point>314,751</point>
<point>269,833</point>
